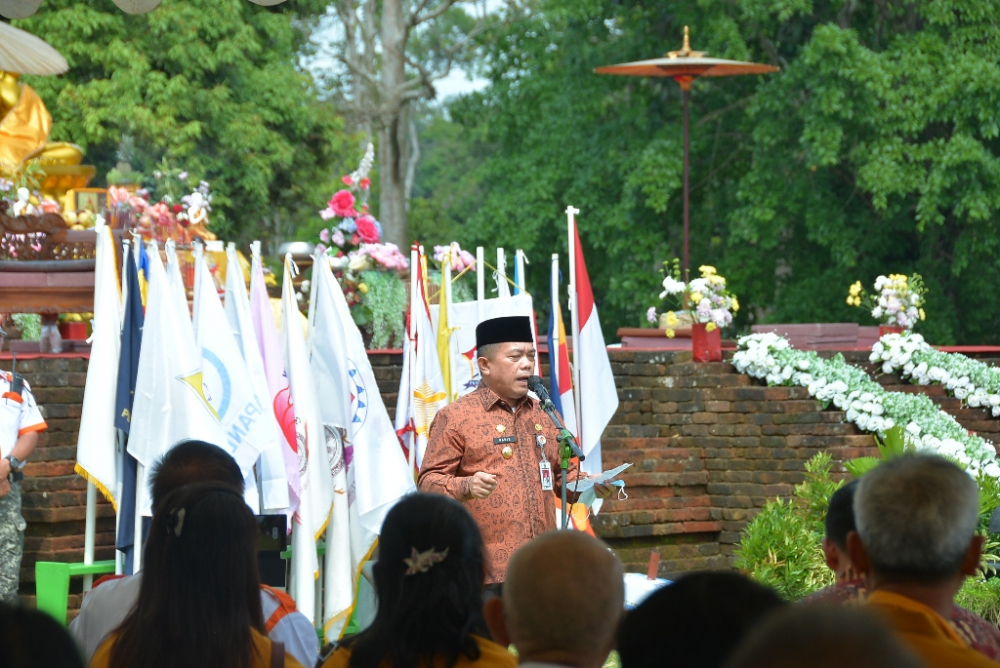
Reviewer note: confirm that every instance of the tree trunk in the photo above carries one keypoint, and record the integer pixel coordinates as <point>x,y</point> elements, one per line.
<point>392,126</point>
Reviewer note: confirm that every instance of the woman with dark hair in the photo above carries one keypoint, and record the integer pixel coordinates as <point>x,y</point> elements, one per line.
<point>429,585</point>
<point>199,600</point>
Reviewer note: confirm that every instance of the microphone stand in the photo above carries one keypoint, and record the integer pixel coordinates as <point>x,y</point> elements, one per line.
<point>567,448</point>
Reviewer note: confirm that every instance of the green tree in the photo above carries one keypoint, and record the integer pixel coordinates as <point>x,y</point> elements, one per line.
<point>213,86</point>
<point>874,150</point>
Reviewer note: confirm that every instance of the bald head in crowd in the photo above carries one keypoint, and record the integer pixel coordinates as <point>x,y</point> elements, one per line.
<point>562,601</point>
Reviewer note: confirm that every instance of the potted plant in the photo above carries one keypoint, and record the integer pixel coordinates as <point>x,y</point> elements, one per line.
<point>705,302</point>
<point>897,303</point>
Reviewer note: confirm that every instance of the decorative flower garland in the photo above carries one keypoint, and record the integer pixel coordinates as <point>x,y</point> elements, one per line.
<point>867,404</point>
<point>975,383</point>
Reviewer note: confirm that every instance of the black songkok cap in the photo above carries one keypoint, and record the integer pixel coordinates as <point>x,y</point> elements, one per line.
<point>509,329</point>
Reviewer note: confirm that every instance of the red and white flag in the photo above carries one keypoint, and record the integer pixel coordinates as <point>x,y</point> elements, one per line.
<point>595,381</point>
<point>422,390</point>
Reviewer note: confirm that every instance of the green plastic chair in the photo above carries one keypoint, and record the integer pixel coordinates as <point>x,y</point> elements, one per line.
<point>52,584</point>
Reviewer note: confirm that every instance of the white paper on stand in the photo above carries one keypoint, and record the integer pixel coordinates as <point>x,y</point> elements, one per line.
<point>585,487</point>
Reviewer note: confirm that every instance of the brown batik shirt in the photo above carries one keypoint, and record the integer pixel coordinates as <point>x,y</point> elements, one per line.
<point>465,438</point>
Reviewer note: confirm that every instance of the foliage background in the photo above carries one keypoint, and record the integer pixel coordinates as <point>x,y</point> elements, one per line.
<point>873,150</point>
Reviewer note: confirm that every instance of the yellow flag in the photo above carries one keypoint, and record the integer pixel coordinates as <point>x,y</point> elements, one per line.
<point>443,332</point>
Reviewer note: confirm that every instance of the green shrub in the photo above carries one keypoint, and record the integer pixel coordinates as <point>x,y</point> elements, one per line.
<point>782,547</point>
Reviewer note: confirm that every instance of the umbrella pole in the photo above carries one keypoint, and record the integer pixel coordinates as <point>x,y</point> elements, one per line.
<point>685,84</point>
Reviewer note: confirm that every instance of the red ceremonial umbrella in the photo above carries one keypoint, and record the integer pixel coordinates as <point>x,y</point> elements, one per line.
<point>684,66</point>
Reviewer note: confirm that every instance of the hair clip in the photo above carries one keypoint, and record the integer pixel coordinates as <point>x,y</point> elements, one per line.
<point>421,562</point>
<point>175,521</point>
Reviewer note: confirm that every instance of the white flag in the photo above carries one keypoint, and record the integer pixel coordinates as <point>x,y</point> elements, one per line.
<point>427,389</point>
<point>377,472</point>
<point>316,482</point>
<point>96,458</point>
<point>170,402</point>
<point>228,385</point>
<point>271,465</point>
<point>272,355</point>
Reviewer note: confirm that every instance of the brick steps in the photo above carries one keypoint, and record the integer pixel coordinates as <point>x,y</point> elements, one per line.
<point>710,447</point>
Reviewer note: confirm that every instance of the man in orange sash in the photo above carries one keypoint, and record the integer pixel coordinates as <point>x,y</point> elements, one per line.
<point>916,517</point>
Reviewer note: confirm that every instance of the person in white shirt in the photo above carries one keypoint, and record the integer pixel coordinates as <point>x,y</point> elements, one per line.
<point>106,606</point>
<point>20,424</point>
<point>561,603</point>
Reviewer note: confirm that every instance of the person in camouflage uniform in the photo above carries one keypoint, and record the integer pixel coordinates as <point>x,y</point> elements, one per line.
<point>20,424</point>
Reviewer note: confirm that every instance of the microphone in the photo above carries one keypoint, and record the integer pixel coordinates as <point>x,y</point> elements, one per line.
<point>536,385</point>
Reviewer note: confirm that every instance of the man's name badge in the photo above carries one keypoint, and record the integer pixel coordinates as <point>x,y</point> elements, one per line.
<point>540,440</point>
<point>545,470</point>
<point>501,440</point>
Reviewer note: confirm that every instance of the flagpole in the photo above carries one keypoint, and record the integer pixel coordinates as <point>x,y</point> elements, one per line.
<point>444,312</point>
<point>89,531</point>
<point>414,273</point>
<point>502,288</point>
<point>317,255</point>
<point>574,319</point>
<point>140,489</point>
<point>519,268</point>
<point>480,283</point>
<point>120,455</point>
<point>199,276</point>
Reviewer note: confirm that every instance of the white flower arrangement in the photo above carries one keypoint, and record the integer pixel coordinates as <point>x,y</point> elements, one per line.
<point>705,299</point>
<point>898,300</point>
<point>975,383</point>
<point>866,403</point>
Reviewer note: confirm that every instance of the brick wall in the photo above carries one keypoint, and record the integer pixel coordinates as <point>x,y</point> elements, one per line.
<point>710,447</point>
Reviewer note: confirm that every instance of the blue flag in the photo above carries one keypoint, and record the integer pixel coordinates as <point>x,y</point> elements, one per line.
<point>128,367</point>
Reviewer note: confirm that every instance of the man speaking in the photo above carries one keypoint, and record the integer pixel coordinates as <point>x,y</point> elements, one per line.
<point>495,449</point>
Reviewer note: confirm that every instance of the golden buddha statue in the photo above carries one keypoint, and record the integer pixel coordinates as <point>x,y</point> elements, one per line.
<point>24,128</point>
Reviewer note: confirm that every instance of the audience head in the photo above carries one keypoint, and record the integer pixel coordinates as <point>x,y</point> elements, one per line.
<point>821,636</point>
<point>839,523</point>
<point>562,600</point>
<point>200,593</point>
<point>429,582</point>
<point>193,462</point>
<point>697,621</point>
<point>916,521</point>
<point>32,639</point>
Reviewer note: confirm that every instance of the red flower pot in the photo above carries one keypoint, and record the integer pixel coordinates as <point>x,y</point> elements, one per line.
<point>73,330</point>
<point>889,329</point>
<point>706,346</point>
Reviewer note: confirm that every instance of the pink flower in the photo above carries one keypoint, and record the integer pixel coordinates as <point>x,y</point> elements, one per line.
<point>327,214</point>
<point>324,235</point>
<point>118,195</point>
<point>365,183</point>
<point>387,255</point>
<point>367,229</point>
<point>342,204</point>
<point>348,181</point>
<point>460,259</point>
<point>321,248</point>
<point>338,238</point>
